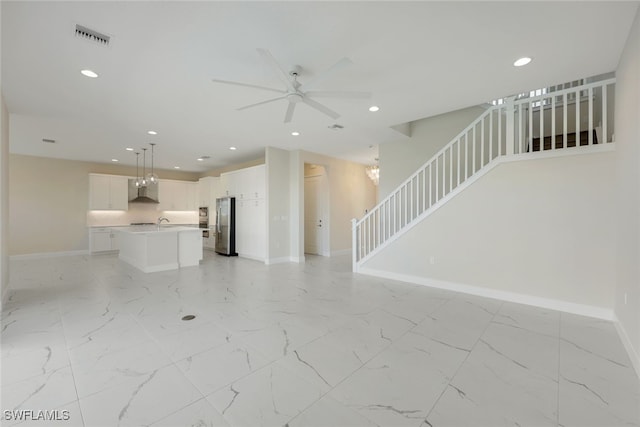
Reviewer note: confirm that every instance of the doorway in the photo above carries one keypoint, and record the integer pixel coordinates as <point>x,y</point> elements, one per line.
<point>316,210</point>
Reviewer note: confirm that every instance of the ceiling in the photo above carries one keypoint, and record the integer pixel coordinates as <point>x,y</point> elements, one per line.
<point>418,59</point>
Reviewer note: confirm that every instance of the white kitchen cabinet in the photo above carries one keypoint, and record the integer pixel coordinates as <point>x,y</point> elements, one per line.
<point>244,184</point>
<point>103,239</point>
<point>251,235</point>
<point>209,242</point>
<point>177,195</point>
<point>207,191</point>
<point>223,186</point>
<point>108,192</point>
<point>228,184</point>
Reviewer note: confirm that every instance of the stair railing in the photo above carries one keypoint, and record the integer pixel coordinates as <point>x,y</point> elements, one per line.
<point>507,129</point>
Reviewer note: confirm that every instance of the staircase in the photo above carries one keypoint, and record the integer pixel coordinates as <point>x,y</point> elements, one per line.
<point>567,120</point>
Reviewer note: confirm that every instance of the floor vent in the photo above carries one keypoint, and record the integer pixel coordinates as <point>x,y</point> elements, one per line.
<point>91,35</point>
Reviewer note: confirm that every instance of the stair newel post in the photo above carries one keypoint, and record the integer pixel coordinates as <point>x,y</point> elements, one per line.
<point>510,131</point>
<point>354,244</point>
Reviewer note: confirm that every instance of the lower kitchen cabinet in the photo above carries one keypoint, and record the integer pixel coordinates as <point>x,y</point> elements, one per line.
<point>209,242</point>
<point>103,239</point>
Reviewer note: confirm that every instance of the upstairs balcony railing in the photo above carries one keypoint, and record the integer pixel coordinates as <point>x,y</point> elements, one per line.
<point>568,118</point>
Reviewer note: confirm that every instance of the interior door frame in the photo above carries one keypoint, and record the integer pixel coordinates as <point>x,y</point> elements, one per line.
<point>325,199</point>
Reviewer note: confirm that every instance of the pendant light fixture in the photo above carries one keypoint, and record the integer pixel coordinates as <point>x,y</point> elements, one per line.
<point>143,179</point>
<point>137,169</point>
<point>152,178</point>
<point>373,172</point>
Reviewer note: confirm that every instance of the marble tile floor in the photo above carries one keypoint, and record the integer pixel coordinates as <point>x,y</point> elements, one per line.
<point>94,340</point>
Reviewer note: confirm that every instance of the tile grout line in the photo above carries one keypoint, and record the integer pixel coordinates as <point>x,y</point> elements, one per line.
<point>367,361</point>
<point>559,361</point>
<point>66,344</point>
<point>462,364</point>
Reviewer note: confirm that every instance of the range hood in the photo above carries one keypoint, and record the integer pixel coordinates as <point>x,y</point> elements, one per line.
<point>148,194</point>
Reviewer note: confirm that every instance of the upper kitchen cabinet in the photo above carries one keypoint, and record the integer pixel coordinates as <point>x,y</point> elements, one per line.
<point>108,192</point>
<point>177,195</point>
<point>244,184</point>
<point>207,191</point>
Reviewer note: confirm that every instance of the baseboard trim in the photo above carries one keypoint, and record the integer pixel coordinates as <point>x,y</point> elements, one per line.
<point>548,303</point>
<point>626,342</point>
<point>41,255</point>
<point>280,260</point>
<point>5,297</point>
<point>252,257</point>
<point>340,252</point>
<point>298,259</point>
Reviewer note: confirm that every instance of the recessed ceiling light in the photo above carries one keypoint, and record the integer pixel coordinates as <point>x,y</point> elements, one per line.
<point>152,132</point>
<point>129,149</point>
<point>115,160</point>
<point>232,148</point>
<point>294,133</point>
<point>176,167</point>
<point>522,61</point>
<point>374,108</point>
<point>89,73</point>
<point>200,159</point>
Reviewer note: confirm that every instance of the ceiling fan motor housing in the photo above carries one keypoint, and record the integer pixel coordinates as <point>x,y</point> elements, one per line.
<point>295,70</point>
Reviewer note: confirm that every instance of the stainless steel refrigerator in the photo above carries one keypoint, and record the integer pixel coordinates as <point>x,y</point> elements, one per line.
<point>226,226</point>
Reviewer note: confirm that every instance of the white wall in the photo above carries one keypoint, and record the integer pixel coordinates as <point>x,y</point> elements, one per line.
<point>542,228</point>
<point>400,159</point>
<point>277,164</point>
<point>627,190</point>
<point>49,199</point>
<point>4,200</point>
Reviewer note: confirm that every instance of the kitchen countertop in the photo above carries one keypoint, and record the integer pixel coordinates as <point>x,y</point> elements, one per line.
<point>145,229</point>
<point>150,225</point>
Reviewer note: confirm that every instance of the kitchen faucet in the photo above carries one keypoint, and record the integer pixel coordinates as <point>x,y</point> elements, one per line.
<point>162,219</point>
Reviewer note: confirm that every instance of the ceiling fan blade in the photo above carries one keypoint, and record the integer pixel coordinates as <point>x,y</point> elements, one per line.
<point>266,55</point>
<point>262,102</point>
<point>290,109</point>
<point>248,85</point>
<point>320,107</point>
<point>327,94</point>
<point>344,62</point>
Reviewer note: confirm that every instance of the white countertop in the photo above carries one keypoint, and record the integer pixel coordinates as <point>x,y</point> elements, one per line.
<point>146,229</point>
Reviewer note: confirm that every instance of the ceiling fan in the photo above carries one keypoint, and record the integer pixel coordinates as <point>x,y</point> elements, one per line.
<point>297,92</point>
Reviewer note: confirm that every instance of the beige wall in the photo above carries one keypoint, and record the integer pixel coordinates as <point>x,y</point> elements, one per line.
<point>234,167</point>
<point>400,159</point>
<point>351,194</point>
<point>627,191</point>
<point>49,201</point>
<point>542,228</point>
<point>4,200</point>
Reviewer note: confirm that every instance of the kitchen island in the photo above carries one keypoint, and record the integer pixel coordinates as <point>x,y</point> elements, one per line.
<point>151,248</point>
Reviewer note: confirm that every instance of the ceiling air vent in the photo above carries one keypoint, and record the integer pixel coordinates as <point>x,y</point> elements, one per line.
<point>91,35</point>
<point>335,126</point>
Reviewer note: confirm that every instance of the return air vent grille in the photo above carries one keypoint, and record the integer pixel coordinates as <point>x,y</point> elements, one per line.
<point>91,35</point>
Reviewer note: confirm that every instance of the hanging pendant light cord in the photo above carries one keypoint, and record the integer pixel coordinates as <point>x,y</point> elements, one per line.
<point>144,162</point>
<point>152,144</point>
<point>137,168</point>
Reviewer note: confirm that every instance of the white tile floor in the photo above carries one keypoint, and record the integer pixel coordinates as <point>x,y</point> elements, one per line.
<point>296,345</point>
